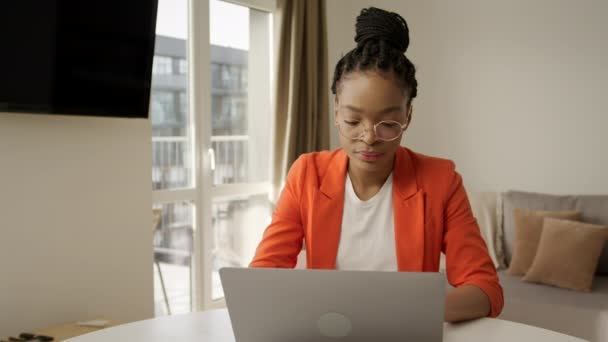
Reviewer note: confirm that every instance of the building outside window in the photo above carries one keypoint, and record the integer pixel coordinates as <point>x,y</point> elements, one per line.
<point>162,65</point>
<point>238,208</point>
<point>182,66</point>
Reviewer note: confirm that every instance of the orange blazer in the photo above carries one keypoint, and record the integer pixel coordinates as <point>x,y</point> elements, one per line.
<point>432,215</point>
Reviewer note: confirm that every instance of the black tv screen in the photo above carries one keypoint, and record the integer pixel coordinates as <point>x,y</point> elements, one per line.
<point>77,57</point>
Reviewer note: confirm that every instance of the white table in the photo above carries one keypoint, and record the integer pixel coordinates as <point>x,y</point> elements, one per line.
<point>214,326</point>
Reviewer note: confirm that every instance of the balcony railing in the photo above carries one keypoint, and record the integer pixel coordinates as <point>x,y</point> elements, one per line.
<point>172,166</point>
<point>231,159</point>
<point>171,163</point>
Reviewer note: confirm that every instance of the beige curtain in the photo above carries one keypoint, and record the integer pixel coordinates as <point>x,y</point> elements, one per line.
<point>301,89</point>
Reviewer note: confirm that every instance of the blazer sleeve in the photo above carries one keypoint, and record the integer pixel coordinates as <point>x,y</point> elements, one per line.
<point>282,239</point>
<point>467,258</point>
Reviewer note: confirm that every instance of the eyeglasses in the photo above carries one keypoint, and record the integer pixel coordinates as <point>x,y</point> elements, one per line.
<point>384,130</point>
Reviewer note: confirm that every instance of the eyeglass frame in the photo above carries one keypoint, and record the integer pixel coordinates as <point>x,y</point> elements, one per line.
<point>404,127</point>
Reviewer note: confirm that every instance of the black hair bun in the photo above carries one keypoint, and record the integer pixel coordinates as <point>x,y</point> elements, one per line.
<point>374,24</point>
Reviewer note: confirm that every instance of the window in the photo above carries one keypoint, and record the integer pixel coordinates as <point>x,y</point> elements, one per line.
<point>232,217</point>
<point>226,76</point>
<point>215,75</point>
<point>244,79</point>
<point>162,65</point>
<point>216,215</point>
<point>173,180</point>
<point>183,109</point>
<point>182,66</point>
<point>241,135</point>
<point>173,251</point>
<point>162,107</point>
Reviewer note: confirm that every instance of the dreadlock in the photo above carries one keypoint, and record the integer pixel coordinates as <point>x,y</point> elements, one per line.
<point>382,38</point>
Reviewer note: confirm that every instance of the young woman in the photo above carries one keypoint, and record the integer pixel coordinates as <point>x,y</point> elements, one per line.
<point>372,204</point>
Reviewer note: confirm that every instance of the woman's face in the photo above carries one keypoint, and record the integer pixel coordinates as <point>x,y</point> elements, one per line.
<point>365,99</point>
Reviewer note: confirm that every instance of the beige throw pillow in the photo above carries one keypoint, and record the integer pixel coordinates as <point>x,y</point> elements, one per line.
<point>567,254</point>
<point>528,229</point>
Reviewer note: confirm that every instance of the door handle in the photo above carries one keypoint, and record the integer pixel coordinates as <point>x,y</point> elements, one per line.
<point>211,154</point>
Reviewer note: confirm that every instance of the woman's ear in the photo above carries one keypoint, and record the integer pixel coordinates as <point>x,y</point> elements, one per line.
<point>410,112</point>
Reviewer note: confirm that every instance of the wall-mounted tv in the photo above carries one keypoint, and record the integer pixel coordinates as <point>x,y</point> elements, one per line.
<point>77,57</point>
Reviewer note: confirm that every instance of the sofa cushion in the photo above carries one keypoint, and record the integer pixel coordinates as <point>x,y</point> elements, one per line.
<point>594,209</point>
<point>487,209</point>
<point>580,314</point>
<point>567,254</point>
<point>528,229</point>
<point>515,288</point>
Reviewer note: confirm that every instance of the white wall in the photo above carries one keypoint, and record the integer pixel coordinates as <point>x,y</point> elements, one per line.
<point>75,220</point>
<point>512,91</point>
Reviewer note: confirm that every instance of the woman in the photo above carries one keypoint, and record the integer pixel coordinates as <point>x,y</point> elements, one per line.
<point>374,205</point>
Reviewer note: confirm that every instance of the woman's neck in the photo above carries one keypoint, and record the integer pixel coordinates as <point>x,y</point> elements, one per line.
<point>366,183</point>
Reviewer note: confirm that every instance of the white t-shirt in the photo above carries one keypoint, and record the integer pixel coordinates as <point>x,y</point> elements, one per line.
<point>367,240</point>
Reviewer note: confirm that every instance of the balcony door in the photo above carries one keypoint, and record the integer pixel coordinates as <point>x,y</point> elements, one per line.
<point>211,120</point>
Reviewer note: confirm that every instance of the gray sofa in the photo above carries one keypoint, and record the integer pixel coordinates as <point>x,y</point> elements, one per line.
<point>584,315</point>
<point>579,314</point>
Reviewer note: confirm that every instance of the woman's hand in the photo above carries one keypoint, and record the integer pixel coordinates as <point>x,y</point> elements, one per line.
<point>465,303</point>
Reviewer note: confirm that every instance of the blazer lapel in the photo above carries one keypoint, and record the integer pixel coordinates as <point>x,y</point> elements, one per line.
<point>326,215</point>
<point>409,209</point>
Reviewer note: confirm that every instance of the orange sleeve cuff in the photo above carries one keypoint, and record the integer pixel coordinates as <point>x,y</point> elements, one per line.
<point>494,293</point>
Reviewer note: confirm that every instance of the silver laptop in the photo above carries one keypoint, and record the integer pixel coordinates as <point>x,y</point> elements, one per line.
<point>286,305</point>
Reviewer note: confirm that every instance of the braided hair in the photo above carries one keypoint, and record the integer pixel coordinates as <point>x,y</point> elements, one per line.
<point>382,38</point>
